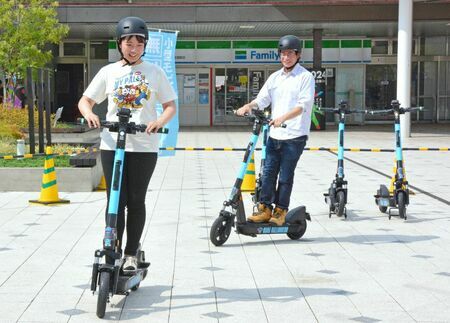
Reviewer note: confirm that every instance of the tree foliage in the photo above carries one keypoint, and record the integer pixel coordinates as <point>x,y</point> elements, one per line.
<point>26,27</point>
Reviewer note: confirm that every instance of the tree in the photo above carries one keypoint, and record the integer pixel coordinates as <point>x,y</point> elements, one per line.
<point>27,27</point>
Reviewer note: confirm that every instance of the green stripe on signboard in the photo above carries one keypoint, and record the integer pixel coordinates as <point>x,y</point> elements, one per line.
<point>353,43</point>
<point>185,44</point>
<point>325,44</point>
<point>213,44</point>
<point>255,44</point>
<point>112,44</point>
<point>309,44</point>
<point>367,43</point>
<point>330,43</point>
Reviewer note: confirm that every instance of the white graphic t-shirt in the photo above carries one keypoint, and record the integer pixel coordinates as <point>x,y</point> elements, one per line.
<point>138,88</point>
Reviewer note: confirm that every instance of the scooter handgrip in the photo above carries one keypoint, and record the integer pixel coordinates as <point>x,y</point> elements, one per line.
<point>413,109</point>
<point>105,124</point>
<point>326,109</point>
<point>142,128</point>
<point>381,111</point>
<point>163,130</point>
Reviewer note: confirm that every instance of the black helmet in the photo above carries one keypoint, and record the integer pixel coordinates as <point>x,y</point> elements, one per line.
<point>130,26</point>
<point>290,42</point>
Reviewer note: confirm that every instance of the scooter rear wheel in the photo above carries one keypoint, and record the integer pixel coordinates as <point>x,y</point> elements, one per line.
<point>401,200</point>
<point>220,230</point>
<point>297,235</point>
<point>340,201</point>
<point>103,293</point>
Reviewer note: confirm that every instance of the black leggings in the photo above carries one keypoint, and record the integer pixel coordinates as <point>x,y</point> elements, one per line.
<point>137,170</point>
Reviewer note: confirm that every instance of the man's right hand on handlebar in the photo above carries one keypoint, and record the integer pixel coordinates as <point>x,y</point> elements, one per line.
<point>245,109</point>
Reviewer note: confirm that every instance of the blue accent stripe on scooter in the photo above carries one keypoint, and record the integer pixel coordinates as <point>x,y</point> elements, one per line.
<point>398,148</point>
<point>114,195</point>
<point>341,140</point>
<point>244,164</point>
<point>265,132</point>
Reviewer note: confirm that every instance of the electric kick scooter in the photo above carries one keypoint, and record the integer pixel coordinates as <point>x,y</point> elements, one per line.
<point>233,211</point>
<point>336,197</point>
<point>399,197</point>
<point>108,276</point>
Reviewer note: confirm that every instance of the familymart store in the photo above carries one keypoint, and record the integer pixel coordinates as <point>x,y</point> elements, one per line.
<point>216,76</point>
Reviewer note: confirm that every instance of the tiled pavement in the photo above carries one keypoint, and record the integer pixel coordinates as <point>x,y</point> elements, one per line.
<point>363,269</point>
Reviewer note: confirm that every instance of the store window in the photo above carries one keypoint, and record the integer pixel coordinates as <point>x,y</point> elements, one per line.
<point>74,49</point>
<point>381,85</point>
<point>98,50</point>
<point>237,88</point>
<point>380,47</point>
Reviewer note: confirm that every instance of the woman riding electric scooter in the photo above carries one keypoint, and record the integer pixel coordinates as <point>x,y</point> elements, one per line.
<point>138,86</point>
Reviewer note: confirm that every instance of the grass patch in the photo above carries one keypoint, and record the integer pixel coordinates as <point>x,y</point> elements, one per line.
<point>60,161</point>
<point>9,148</point>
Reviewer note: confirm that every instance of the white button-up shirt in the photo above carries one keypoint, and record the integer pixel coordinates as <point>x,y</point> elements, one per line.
<point>285,91</point>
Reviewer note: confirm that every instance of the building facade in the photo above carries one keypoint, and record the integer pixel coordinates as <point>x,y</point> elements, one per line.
<point>226,50</point>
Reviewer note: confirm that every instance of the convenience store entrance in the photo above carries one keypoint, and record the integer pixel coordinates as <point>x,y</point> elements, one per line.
<point>194,96</point>
<point>234,87</point>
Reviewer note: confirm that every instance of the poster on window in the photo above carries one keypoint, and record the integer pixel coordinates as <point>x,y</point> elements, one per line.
<point>203,88</point>
<point>256,83</point>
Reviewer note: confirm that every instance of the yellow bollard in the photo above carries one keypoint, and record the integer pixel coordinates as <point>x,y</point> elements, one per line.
<point>249,183</point>
<point>49,187</point>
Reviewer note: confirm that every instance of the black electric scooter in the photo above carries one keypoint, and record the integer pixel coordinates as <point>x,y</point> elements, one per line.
<point>398,197</point>
<point>109,276</point>
<point>336,198</point>
<point>233,211</point>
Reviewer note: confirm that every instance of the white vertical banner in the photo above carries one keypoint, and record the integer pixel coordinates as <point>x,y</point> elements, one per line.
<point>160,51</point>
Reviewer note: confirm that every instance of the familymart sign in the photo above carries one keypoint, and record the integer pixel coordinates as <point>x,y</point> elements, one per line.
<point>334,51</point>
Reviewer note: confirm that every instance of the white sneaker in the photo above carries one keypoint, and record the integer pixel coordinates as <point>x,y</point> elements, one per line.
<point>130,264</point>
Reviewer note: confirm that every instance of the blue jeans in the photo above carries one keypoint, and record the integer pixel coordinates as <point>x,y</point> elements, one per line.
<point>281,159</point>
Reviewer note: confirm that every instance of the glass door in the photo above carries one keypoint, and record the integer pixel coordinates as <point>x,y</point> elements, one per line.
<point>193,96</point>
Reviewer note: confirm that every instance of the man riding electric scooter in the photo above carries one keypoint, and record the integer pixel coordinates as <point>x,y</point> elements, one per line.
<point>290,92</point>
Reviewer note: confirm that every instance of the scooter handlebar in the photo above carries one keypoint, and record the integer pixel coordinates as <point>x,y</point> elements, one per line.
<point>113,126</point>
<point>402,110</point>
<point>256,113</point>
<point>346,111</point>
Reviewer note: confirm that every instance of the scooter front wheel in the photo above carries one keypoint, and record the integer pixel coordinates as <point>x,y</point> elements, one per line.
<point>340,200</point>
<point>103,293</point>
<point>297,235</point>
<point>401,201</point>
<point>220,230</point>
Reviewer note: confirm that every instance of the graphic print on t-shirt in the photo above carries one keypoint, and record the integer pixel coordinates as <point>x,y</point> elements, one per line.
<point>130,90</point>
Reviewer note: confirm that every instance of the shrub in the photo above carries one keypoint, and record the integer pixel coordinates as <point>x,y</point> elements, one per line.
<point>13,120</point>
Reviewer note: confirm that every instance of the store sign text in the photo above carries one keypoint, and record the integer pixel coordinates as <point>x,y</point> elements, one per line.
<point>264,56</point>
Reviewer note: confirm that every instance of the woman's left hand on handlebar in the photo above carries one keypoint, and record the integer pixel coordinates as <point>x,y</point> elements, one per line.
<point>154,126</point>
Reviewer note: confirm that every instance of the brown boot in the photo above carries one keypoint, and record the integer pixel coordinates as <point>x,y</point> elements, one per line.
<point>278,217</point>
<point>263,215</point>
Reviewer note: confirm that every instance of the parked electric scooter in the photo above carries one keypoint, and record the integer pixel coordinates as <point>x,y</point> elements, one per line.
<point>108,275</point>
<point>336,198</point>
<point>398,198</point>
<point>233,211</point>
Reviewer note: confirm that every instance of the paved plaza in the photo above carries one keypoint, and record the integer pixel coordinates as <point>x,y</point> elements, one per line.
<point>366,268</point>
